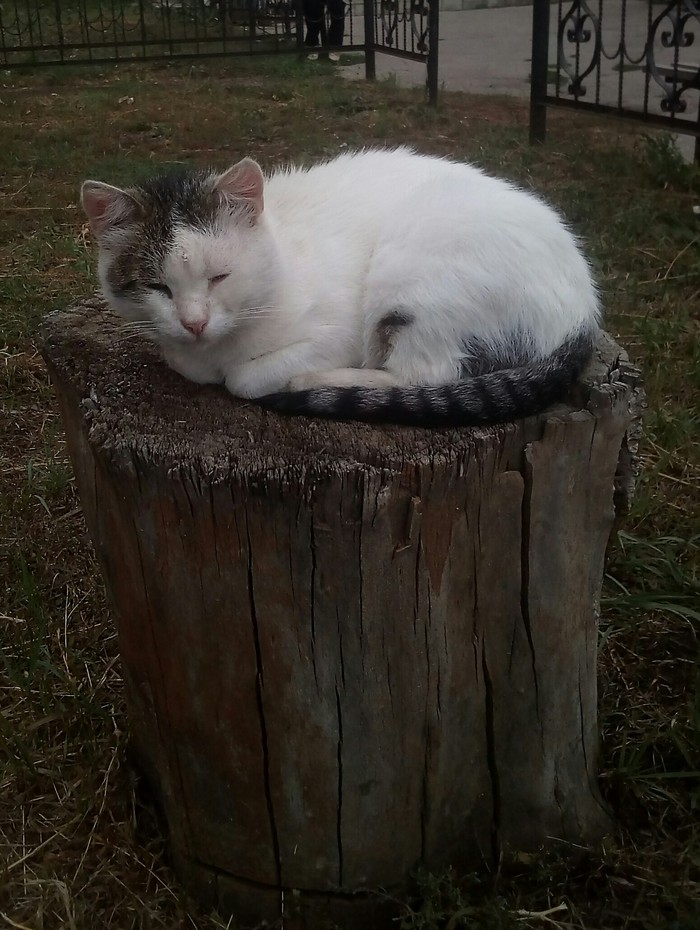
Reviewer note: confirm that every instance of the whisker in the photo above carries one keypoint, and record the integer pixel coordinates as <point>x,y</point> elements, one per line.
<point>261,309</point>
<point>140,331</point>
<point>129,337</point>
<point>250,313</point>
<point>148,330</point>
<point>138,324</point>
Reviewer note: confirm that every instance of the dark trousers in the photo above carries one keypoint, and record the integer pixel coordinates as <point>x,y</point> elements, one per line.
<point>316,25</point>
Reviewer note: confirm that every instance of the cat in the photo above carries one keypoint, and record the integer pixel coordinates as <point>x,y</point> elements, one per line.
<point>379,285</point>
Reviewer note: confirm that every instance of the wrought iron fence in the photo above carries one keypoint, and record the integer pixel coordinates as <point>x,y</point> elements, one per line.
<point>409,29</point>
<point>50,32</point>
<point>404,27</point>
<point>633,58</point>
<point>36,33</point>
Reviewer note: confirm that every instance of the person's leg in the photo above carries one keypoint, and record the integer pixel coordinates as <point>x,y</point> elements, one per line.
<point>313,16</point>
<point>336,30</point>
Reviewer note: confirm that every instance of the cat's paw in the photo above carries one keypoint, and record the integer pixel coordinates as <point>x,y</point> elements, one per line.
<point>310,379</point>
<point>342,377</point>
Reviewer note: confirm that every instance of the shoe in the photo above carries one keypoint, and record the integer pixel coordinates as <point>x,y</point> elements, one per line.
<point>312,57</point>
<point>333,56</point>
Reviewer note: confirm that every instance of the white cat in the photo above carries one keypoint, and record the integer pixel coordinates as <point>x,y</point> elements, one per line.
<point>380,285</point>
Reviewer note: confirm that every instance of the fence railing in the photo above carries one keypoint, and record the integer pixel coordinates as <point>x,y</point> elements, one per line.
<point>637,59</point>
<point>33,34</point>
<point>40,33</point>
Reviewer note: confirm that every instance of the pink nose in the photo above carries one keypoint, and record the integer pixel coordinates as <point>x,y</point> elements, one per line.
<point>196,327</point>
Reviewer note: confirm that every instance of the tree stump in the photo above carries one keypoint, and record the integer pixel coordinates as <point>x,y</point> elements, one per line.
<point>349,650</point>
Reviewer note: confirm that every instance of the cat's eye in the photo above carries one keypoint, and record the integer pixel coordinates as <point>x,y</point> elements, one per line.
<point>218,278</point>
<point>161,288</point>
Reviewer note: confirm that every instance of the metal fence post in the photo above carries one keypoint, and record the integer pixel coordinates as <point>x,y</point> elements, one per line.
<point>538,72</point>
<point>299,25</point>
<point>370,63</point>
<point>433,39</point>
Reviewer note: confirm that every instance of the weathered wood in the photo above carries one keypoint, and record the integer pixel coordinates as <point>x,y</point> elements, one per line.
<point>349,650</point>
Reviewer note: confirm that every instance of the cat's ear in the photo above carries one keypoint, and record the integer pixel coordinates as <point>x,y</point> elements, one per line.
<point>243,182</point>
<point>106,206</point>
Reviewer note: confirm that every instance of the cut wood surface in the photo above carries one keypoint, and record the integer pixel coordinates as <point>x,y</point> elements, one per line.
<point>349,650</point>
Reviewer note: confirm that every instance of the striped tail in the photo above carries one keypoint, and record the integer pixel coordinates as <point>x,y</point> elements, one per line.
<point>493,397</point>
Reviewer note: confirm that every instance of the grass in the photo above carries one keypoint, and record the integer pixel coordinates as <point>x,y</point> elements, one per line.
<point>78,849</point>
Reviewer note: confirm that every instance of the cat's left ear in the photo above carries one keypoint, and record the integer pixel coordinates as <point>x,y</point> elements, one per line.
<point>107,207</point>
<point>243,182</point>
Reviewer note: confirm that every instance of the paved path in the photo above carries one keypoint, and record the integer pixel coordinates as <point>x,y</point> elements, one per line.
<point>481,51</point>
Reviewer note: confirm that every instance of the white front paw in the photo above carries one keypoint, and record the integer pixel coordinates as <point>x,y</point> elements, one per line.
<point>342,378</point>
<point>193,369</point>
<point>253,380</point>
<point>310,379</point>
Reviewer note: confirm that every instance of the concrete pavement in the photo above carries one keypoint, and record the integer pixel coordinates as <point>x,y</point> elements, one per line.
<point>481,51</point>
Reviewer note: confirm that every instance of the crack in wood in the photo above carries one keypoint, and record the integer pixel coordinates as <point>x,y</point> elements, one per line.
<point>312,582</point>
<point>340,647</point>
<point>425,795</point>
<point>360,573</point>
<point>164,690</point>
<point>475,614</point>
<point>593,436</point>
<point>525,575</point>
<point>214,528</point>
<point>492,759</point>
<point>582,722</point>
<point>416,571</point>
<point>339,819</point>
<point>511,652</point>
<point>183,484</point>
<point>556,791</point>
<point>259,688</point>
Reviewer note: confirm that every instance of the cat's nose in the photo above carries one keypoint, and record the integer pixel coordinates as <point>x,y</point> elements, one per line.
<point>196,327</point>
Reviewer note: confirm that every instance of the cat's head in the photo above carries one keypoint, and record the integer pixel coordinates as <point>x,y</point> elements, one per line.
<point>186,253</point>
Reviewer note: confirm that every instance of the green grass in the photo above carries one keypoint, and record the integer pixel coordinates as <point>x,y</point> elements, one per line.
<point>78,849</point>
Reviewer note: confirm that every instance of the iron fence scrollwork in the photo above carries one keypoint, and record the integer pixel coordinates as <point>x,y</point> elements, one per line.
<point>397,13</point>
<point>578,26</point>
<point>676,81</point>
<point>623,57</point>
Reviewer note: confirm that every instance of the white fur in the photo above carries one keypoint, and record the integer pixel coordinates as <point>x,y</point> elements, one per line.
<point>339,246</point>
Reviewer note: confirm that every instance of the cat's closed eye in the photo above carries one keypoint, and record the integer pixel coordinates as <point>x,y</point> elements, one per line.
<point>218,278</point>
<point>161,288</point>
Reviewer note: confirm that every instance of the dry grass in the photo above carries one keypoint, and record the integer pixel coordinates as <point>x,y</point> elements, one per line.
<point>78,848</point>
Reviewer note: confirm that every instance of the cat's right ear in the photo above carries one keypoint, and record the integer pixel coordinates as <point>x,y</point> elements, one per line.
<point>243,183</point>
<point>106,206</point>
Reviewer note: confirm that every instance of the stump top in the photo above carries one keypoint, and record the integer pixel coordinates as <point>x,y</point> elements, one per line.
<point>138,408</point>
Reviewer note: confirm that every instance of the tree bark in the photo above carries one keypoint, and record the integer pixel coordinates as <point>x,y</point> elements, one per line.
<point>349,650</point>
